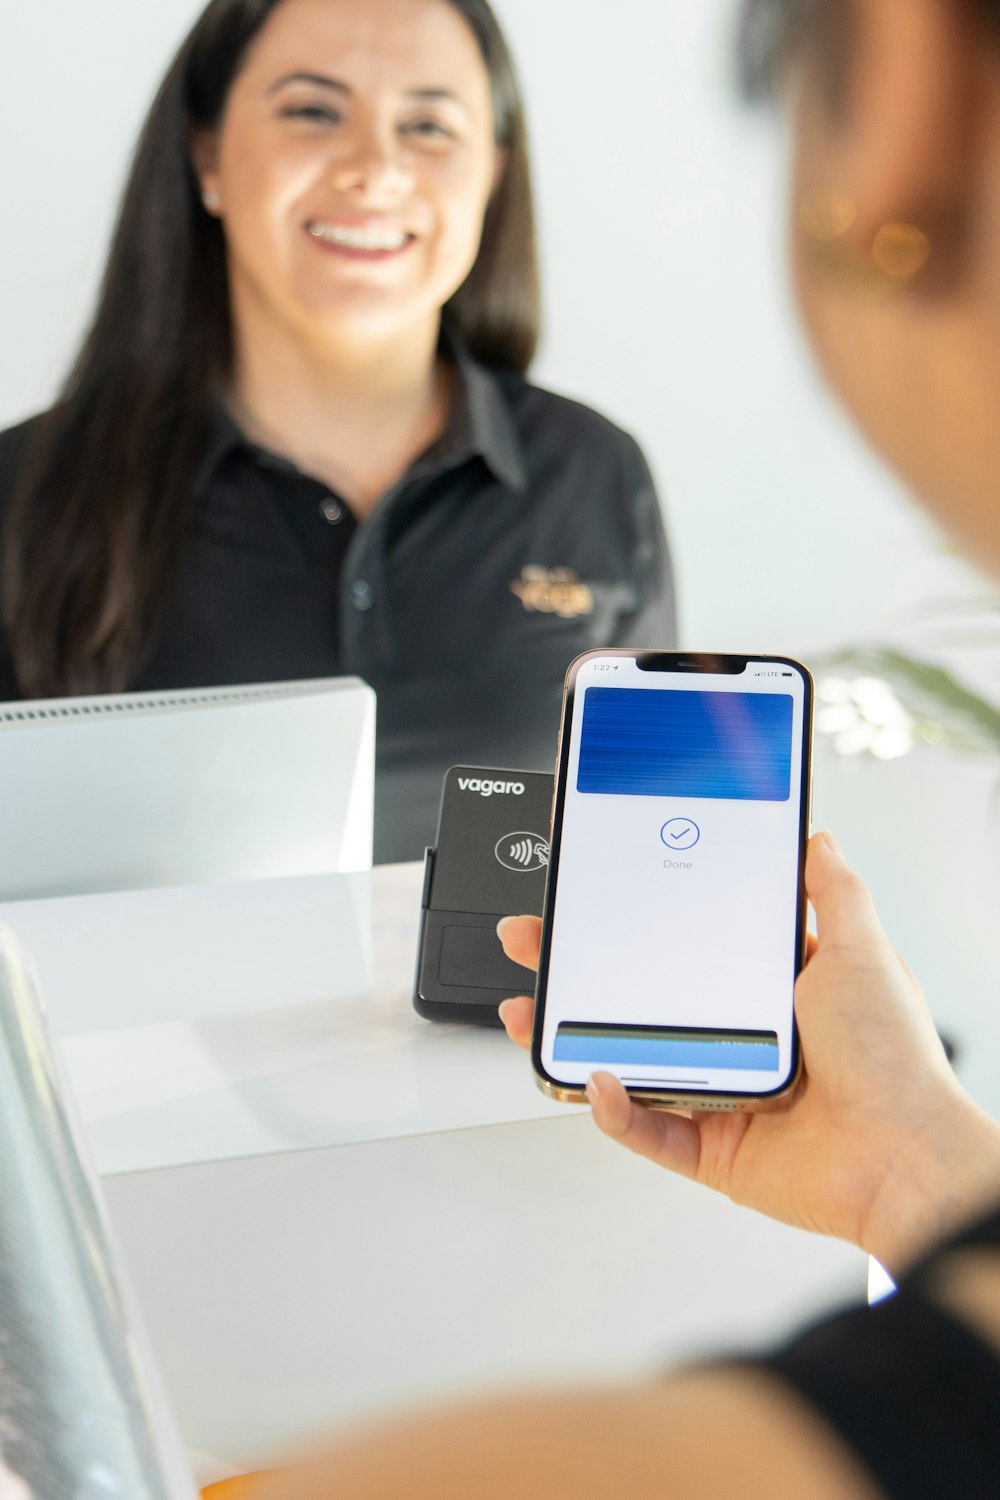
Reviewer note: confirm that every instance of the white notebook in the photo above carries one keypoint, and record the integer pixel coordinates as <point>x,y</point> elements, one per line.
<point>156,789</point>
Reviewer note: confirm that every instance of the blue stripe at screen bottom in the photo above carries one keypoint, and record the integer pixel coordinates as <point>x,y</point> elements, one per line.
<point>598,1049</point>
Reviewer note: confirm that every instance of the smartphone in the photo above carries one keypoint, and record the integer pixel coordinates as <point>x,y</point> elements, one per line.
<point>675,912</point>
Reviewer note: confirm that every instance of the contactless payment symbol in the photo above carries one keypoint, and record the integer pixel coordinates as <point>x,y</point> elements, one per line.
<point>523,852</point>
<point>680,833</point>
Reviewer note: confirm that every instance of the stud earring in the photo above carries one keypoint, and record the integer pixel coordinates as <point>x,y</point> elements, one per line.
<point>211,200</point>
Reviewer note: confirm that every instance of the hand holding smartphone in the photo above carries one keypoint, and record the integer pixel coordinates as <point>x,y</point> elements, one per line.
<point>675,919</point>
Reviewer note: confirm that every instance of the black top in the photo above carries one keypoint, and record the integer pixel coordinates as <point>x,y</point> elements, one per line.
<point>909,1387</point>
<point>529,533</point>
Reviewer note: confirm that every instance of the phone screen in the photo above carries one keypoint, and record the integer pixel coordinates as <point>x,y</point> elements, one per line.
<point>675,918</point>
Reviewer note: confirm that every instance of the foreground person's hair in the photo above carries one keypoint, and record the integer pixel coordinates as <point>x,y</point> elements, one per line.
<point>772,31</point>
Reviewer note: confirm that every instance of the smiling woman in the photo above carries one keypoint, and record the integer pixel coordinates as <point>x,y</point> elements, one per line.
<point>298,440</point>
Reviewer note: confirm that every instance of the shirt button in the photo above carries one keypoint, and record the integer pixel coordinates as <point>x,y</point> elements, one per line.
<point>362,595</point>
<point>331,510</point>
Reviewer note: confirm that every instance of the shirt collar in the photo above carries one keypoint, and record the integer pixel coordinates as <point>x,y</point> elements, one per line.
<point>481,422</point>
<point>480,425</point>
<point>222,437</point>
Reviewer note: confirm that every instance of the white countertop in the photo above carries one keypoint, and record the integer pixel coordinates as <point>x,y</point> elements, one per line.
<point>206,1023</point>
<point>330,1207</point>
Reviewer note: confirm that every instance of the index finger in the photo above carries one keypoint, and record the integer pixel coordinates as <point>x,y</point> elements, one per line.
<point>522,939</point>
<point>845,912</point>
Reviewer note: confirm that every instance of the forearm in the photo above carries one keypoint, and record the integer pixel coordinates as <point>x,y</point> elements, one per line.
<point>713,1433</point>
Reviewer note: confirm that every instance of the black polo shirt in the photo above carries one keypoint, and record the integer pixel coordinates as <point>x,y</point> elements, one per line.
<point>529,533</point>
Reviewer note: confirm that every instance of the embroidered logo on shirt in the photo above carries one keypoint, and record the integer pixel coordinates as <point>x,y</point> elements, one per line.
<point>553,591</point>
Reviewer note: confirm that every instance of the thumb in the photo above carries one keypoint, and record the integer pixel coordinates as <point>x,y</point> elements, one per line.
<point>845,912</point>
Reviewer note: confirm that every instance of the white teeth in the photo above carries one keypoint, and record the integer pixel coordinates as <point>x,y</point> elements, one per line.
<point>358,239</point>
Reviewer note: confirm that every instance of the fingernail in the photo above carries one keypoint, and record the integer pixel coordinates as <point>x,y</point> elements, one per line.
<point>503,922</point>
<point>502,1007</point>
<point>832,843</point>
<point>593,1091</point>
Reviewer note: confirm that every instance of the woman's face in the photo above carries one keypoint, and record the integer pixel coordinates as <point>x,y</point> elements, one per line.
<point>353,166</point>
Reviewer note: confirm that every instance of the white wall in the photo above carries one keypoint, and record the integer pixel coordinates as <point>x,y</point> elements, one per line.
<point>661,209</point>
<point>75,82</point>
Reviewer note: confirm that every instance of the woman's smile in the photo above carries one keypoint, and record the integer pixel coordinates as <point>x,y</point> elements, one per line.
<point>366,240</point>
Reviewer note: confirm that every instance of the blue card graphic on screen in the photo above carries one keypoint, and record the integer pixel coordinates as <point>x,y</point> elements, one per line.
<point>650,742</point>
<point>666,1047</point>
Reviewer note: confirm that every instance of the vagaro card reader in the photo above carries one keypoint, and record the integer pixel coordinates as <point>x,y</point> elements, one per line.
<point>491,861</point>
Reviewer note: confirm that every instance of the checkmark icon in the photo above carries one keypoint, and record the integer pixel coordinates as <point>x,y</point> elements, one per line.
<point>680,833</point>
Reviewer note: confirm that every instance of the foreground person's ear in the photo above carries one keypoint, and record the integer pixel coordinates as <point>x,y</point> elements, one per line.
<point>887,105</point>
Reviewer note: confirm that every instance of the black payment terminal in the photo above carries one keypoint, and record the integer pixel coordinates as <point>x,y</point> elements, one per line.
<point>490,861</point>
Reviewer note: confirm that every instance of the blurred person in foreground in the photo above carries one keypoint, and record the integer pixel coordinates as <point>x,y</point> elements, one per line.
<point>298,440</point>
<point>895,108</point>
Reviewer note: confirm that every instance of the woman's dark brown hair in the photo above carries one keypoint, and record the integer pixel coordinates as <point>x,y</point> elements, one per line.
<point>98,521</point>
